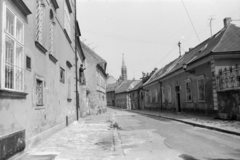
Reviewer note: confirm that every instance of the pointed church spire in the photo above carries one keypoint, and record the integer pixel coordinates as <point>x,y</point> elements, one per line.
<point>124,69</point>
<point>123,62</point>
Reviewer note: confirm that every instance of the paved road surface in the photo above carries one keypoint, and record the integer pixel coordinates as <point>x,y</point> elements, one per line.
<point>153,138</point>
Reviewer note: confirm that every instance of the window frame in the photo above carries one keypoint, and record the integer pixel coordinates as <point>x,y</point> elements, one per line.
<point>188,81</point>
<point>39,78</point>
<point>16,43</point>
<point>169,88</point>
<point>62,79</point>
<point>163,94</point>
<point>67,18</point>
<point>198,79</point>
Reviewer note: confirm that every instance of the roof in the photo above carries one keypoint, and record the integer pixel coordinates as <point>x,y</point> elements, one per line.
<point>127,85</point>
<point>99,59</point>
<point>112,87</point>
<point>138,85</point>
<point>225,41</point>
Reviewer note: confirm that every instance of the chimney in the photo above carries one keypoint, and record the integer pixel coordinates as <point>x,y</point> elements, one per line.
<point>226,21</point>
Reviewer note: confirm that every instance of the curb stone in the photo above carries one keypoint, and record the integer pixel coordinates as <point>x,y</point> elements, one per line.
<point>191,123</point>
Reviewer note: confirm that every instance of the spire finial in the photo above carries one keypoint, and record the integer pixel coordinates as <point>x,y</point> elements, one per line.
<point>123,62</point>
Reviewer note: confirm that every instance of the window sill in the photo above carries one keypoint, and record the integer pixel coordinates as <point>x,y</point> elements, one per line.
<point>22,7</point>
<point>66,34</point>
<point>69,99</point>
<point>13,94</point>
<point>40,47</point>
<point>52,58</point>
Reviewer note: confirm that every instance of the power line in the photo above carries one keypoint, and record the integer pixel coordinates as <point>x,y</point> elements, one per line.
<point>190,21</point>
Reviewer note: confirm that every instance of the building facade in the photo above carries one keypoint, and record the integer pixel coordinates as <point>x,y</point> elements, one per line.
<point>37,89</point>
<point>205,79</point>
<point>96,76</point>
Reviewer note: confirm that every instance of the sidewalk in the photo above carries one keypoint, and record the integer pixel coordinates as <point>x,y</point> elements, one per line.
<point>91,138</point>
<point>226,126</point>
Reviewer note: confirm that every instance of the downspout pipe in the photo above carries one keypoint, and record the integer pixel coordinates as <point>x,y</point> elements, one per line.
<point>76,64</point>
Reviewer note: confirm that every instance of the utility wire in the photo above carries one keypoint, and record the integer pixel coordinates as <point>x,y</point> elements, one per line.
<point>190,20</point>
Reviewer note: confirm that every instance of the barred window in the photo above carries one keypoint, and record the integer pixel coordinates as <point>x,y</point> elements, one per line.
<point>13,51</point>
<point>201,88</point>
<point>51,33</point>
<point>188,91</point>
<point>39,20</point>
<point>39,92</point>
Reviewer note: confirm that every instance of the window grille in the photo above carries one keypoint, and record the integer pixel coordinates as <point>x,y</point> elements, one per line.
<point>188,91</point>
<point>39,20</point>
<point>13,51</point>
<point>201,88</point>
<point>39,92</point>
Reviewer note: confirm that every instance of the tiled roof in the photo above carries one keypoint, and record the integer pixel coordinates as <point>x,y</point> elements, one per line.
<point>99,59</point>
<point>226,40</point>
<point>138,85</point>
<point>112,87</point>
<point>127,85</point>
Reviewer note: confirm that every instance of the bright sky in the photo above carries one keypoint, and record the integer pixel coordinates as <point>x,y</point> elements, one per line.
<point>148,31</point>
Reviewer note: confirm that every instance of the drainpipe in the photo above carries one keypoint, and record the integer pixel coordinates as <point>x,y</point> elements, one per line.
<point>160,95</point>
<point>76,64</point>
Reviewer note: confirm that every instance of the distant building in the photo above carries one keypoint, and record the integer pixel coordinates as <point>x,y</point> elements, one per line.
<point>122,95</point>
<point>111,93</point>
<point>96,77</point>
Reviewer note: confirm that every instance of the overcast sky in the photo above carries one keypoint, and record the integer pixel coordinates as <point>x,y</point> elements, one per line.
<point>147,31</point>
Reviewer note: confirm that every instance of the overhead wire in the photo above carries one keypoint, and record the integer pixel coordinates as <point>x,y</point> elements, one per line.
<point>191,21</point>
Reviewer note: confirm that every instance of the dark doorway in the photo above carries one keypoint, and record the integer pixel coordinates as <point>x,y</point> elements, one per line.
<point>178,99</point>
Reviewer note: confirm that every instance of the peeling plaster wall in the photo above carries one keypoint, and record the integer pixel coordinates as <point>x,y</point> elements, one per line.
<point>17,114</point>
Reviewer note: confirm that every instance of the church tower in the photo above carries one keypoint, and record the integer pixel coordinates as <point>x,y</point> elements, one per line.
<point>124,70</point>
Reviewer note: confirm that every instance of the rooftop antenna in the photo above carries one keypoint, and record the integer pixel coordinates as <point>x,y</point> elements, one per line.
<point>210,23</point>
<point>179,45</point>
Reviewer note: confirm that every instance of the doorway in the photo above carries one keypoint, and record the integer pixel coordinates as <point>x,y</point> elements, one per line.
<point>178,99</point>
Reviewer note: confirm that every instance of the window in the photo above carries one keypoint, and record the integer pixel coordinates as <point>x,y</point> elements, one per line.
<point>69,88</point>
<point>67,19</point>
<point>156,95</point>
<point>62,75</point>
<point>51,32</point>
<point>201,88</point>
<point>163,95</point>
<point>39,92</point>
<point>150,96</point>
<point>169,94</point>
<point>188,91</point>
<point>28,62</point>
<point>13,51</point>
<point>39,21</point>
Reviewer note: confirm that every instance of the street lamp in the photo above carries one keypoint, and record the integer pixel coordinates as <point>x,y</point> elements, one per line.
<point>185,69</point>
